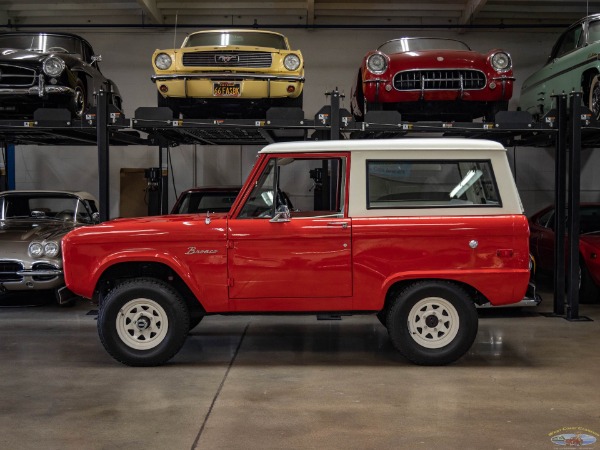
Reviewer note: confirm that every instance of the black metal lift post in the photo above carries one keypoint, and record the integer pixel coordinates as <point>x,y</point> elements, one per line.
<point>573,211</point>
<point>560,206</point>
<point>103,157</point>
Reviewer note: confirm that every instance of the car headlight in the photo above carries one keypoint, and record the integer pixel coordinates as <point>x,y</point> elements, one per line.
<point>51,249</point>
<point>377,63</point>
<point>53,66</point>
<point>163,61</point>
<point>501,61</point>
<point>36,250</point>
<point>291,62</point>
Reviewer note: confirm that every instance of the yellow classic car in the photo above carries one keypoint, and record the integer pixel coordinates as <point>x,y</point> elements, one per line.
<point>229,73</point>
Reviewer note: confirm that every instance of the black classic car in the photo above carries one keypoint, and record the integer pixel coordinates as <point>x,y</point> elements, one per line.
<point>49,70</point>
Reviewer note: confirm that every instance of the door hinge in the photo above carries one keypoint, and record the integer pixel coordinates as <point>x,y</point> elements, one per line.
<point>229,282</point>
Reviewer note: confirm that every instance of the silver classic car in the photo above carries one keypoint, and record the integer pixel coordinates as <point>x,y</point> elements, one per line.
<point>32,224</point>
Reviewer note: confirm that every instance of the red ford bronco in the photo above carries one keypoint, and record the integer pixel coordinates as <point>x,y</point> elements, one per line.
<point>416,231</point>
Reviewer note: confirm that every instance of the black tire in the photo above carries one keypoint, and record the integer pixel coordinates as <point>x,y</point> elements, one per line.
<point>493,109</point>
<point>143,322</point>
<point>432,323</point>
<point>78,103</point>
<point>594,97</point>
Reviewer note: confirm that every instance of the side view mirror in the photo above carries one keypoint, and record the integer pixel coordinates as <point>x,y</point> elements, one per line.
<point>281,215</point>
<point>96,217</point>
<point>96,58</point>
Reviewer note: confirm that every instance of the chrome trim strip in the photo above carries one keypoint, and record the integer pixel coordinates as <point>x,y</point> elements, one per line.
<point>36,91</point>
<point>227,76</point>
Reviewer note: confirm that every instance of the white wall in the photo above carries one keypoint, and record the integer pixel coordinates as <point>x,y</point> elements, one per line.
<point>332,60</point>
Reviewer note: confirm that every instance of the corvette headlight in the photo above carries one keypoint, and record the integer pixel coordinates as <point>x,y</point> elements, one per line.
<point>501,61</point>
<point>51,249</point>
<point>163,61</point>
<point>377,63</point>
<point>53,66</point>
<point>291,62</point>
<point>36,250</point>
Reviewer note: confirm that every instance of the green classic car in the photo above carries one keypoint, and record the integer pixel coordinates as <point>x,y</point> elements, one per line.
<point>573,65</point>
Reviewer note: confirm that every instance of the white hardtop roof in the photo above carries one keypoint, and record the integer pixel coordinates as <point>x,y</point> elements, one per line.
<point>450,144</point>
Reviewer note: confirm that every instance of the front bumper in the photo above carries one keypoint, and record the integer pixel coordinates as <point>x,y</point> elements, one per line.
<point>29,278</point>
<point>40,90</point>
<point>251,85</point>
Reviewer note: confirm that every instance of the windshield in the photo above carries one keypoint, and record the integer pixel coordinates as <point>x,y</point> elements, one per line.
<point>61,207</point>
<point>42,43</point>
<point>225,38</point>
<point>417,44</point>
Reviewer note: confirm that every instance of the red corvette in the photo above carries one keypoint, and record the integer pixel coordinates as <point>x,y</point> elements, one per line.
<point>541,246</point>
<point>433,79</point>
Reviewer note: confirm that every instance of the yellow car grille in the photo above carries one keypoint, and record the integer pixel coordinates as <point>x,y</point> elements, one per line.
<point>228,58</point>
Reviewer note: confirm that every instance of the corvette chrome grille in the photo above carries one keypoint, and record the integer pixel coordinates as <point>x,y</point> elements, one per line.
<point>8,271</point>
<point>425,80</point>
<point>41,267</point>
<point>228,58</point>
<point>15,76</point>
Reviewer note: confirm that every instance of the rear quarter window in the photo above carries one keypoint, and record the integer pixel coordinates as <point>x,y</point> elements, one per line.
<point>393,184</point>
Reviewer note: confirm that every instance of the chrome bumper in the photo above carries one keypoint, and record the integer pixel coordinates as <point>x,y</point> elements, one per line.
<point>28,283</point>
<point>532,298</point>
<point>239,76</point>
<point>40,90</point>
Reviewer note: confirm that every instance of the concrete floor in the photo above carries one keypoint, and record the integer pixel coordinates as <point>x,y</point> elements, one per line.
<point>297,383</point>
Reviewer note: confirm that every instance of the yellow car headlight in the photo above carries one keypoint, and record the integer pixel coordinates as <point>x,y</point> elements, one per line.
<point>163,61</point>
<point>291,62</point>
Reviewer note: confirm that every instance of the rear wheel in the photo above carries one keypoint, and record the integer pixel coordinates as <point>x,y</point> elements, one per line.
<point>432,322</point>
<point>143,322</point>
<point>594,97</point>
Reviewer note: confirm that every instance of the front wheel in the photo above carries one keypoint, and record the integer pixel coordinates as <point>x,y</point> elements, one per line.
<point>78,103</point>
<point>432,323</point>
<point>143,322</point>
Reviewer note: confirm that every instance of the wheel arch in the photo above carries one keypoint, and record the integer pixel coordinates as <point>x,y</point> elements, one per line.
<point>586,80</point>
<point>122,271</point>
<point>398,286</point>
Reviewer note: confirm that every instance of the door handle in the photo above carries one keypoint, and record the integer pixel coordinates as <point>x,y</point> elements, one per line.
<point>337,224</point>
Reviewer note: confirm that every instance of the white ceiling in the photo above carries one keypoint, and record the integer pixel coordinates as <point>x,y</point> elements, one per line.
<point>296,13</point>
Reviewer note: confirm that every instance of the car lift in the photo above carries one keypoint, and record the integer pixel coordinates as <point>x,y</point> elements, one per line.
<point>105,125</point>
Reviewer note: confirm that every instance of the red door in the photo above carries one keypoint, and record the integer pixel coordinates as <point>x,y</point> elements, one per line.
<point>305,258</point>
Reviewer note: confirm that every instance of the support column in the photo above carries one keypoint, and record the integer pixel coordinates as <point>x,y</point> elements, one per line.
<point>573,276</point>
<point>103,157</point>
<point>560,204</point>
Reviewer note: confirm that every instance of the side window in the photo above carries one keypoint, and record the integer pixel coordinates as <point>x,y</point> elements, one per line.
<point>430,184</point>
<point>309,187</point>
<point>568,42</point>
<point>594,31</point>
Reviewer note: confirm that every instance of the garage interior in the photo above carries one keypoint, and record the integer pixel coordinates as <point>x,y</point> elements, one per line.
<point>289,381</point>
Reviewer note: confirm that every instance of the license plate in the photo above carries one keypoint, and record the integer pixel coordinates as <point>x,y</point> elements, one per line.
<point>226,89</point>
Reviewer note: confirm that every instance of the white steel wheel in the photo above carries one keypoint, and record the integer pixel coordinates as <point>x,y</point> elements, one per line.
<point>433,322</point>
<point>142,324</point>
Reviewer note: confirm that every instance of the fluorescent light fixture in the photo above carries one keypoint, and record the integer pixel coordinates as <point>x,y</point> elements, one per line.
<point>470,178</point>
